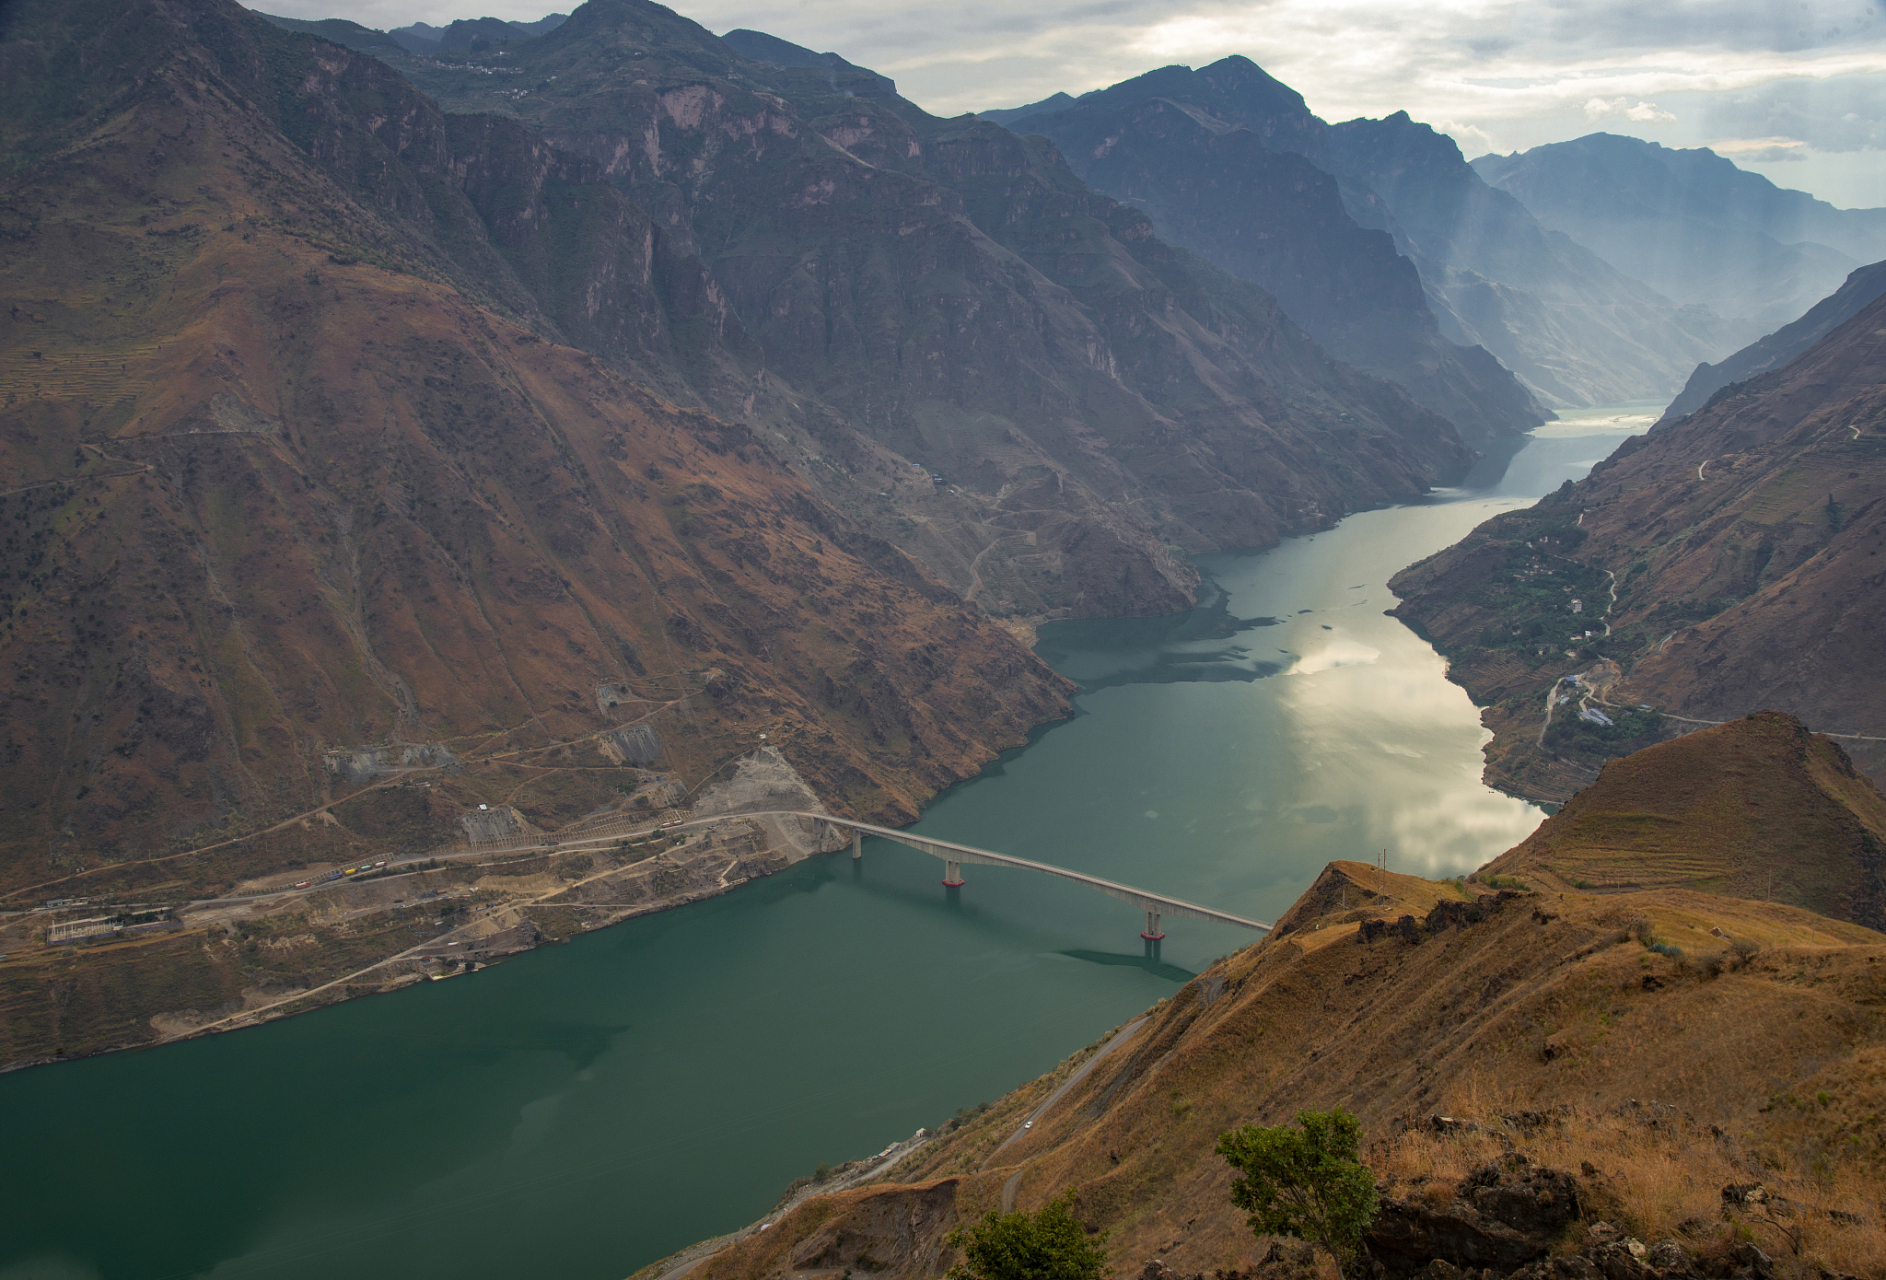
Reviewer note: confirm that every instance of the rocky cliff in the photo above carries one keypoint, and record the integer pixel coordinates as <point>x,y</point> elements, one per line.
<point>946,332</point>
<point>317,533</point>
<point>1727,562</point>
<point>1201,153</point>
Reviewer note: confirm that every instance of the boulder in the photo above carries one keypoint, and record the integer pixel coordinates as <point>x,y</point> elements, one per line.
<point>1507,1213</point>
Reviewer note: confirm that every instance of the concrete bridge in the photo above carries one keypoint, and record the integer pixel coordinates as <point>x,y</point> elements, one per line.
<point>955,855</point>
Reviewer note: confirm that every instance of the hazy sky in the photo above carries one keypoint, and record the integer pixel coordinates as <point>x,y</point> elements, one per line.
<point>1794,89</point>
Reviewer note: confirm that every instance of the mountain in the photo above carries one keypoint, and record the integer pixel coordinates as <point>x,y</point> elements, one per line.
<point>761,47</point>
<point>1727,562</point>
<point>1185,146</point>
<point>1003,115</point>
<point>1209,155</point>
<point>1692,225</point>
<point>464,34</point>
<point>368,498</point>
<point>1784,344</point>
<point>951,337</point>
<point>1540,1072</point>
<point>318,539</point>
<point>1576,329</point>
<point>341,31</point>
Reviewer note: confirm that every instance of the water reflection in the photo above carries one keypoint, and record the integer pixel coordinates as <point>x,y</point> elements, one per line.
<point>1200,646</point>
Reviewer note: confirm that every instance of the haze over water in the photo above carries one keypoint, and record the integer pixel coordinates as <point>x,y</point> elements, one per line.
<point>585,1109</point>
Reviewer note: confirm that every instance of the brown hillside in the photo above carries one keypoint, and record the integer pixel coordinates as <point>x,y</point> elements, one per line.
<point>1546,1001</point>
<point>1745,546</point>
<point>267,503</point>
<point>1658,1043</point>
<point>1756,808</point>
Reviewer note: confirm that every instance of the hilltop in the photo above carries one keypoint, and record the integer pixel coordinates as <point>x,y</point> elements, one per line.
<point>1757,808</point>
<point>1654,1044</point>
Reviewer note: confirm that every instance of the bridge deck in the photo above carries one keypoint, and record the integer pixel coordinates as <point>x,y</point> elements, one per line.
<point>950,851</point>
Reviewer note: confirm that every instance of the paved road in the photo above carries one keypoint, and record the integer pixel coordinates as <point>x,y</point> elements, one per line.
<point>1114,1041</point>
<point>945,849</point>
<point>950,851</point>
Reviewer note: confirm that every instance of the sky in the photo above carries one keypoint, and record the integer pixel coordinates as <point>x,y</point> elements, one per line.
<point>1792,89</point>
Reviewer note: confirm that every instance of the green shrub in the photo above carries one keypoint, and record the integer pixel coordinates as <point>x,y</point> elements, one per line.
<point>1048,1245</point>
<point>1305,1182</point>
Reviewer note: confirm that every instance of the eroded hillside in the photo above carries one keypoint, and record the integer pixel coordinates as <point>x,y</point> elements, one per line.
<point>317,554</point>
<point>1727,562</point>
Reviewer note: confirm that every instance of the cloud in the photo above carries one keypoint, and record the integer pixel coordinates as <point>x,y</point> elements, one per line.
<point>1643,113</point>
<point>1473,140</point>
<point>1760,150</point>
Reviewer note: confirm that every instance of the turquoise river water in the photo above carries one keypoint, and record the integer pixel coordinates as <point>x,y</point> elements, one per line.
<point>584,1109</point>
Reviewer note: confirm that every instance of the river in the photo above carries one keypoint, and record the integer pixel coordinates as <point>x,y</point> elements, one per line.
<point>584,1109</point>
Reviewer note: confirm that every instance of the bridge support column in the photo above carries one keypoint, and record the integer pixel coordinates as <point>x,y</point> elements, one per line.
<point>1152,933</point>
<point>857,843</point>
<point>952,874</point>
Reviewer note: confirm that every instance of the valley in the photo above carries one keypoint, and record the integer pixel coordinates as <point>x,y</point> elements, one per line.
<point>890,1002</point>
<point>528,547</point>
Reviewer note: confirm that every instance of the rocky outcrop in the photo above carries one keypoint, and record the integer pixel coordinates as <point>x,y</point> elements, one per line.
<point>1505,1214</point>
<point>1510,1220</point>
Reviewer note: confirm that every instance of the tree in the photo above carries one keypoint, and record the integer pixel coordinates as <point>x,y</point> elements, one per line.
<point>1305,1182</point>
<point>1048,1245</point>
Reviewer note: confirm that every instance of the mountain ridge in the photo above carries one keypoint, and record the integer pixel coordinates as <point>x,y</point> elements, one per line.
<point>1784,344</point>
<point>1186,147</point>
<point>1575,329</point>
<point>1119,387</point>
<point>1692,225</point>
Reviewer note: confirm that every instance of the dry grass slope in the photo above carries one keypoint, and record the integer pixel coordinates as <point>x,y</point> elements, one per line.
<point>1674,1040</point>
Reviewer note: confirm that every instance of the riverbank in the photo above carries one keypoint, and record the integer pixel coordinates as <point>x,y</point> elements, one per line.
<point>443,914</point>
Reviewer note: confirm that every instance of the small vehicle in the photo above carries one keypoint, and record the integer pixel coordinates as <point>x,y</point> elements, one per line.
<point>1028,1124</point>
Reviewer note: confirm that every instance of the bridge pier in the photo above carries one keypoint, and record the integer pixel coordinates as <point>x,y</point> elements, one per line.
<point>857,843</point>
<point>1152,933</point>
<point>952,874</point>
